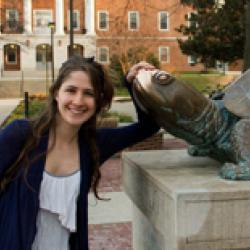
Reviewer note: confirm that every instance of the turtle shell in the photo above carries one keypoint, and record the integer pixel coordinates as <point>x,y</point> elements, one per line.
<point>237,96</point>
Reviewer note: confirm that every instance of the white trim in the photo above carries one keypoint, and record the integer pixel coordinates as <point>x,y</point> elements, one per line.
<point>189,22</point>
<point>46,30</point>
<point>168,54</point>
<point>188,17</point>
<point>99,19</point>
<point>99,54</point>
<point>221,66</point>
<point>137,20</point>
<point>159,20</point>
<point>16,54</point>
<point>7,16</point>
<point>78,19</point>
<point>191,60</point>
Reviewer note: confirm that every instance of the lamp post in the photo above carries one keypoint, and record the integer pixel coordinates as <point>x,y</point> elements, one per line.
<point>71,31</point>
<point>46,69</point>
<point>51,25</point>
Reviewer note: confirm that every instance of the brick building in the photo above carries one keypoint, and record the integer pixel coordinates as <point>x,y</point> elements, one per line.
<point>101,28</point>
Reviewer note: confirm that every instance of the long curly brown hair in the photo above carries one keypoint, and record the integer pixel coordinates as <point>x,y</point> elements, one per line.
<point>46,121</point>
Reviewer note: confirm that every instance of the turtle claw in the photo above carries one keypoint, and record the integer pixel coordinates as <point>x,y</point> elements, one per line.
<point>232,171</point>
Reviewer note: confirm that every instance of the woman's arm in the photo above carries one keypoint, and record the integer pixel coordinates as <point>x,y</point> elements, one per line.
<point>12,138</point>
<point>112,140</point>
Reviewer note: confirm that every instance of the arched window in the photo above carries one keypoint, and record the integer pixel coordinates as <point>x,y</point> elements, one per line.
<point>11,56</point>
<point>77,50</point>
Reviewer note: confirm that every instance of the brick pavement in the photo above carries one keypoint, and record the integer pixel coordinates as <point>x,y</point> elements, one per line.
<point>117,236</point>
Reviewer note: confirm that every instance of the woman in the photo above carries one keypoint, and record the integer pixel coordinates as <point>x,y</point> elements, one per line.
<point>48,165</point>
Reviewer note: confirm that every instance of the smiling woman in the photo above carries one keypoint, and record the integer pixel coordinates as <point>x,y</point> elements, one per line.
<point>49,163</point>
<point>76,99</point>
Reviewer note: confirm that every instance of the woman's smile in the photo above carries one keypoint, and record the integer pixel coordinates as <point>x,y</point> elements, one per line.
<point>76,99</point>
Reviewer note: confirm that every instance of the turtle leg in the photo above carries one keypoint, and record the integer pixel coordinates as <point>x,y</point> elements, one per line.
<point>198,151</point>
<point>240,141</point>
<point>232,171</point>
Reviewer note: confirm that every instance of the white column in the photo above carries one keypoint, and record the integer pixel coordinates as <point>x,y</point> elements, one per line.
<point>59,17</point>
<point>27,11</point>
<point>90,16</point>
<point>0,14</point>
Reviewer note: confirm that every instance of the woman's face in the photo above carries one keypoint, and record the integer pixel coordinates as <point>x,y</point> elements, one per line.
<point>76,99</point>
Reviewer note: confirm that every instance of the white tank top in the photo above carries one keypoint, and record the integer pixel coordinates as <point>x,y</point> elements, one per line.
<point>57,215</point>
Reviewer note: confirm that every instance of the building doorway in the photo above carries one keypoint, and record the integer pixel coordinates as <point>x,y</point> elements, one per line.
<point>43,56</point>
<point>12,57</point>
<point>77,50</point>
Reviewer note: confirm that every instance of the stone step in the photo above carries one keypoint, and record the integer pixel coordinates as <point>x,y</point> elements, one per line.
<point>180,202</point>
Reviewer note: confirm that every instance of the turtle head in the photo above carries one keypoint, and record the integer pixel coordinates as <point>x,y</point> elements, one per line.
<point>148,86</point>
<point>160,92</point>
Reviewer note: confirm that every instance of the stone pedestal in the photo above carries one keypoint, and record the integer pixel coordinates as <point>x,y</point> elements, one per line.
<point>180,203</point>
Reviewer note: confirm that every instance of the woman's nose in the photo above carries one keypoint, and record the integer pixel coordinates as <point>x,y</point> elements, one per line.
<point>78,99</point>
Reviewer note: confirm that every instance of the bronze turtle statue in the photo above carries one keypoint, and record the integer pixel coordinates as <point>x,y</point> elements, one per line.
<point>216,128</point>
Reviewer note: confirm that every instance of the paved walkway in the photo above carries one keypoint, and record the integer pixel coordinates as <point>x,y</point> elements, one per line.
<point>6,107</point>
<point>124,107</point>
<point>110,222</point>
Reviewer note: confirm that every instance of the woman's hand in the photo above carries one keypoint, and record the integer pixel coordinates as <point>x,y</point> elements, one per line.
<point>135,69</point>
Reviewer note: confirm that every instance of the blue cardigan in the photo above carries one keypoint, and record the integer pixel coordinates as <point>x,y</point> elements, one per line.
<point>19,204</point>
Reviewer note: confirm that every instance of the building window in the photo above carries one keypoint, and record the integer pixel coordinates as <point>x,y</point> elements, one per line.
<point>11,54</point>
<point>103,55</point>
<point>103,20</point>
<point>133,20</point>
<point>192,60</point>
<point>76,20</point>
<point>41,20</point>
<point>221,66</point>
<point>164,54</point>
<point>11,18</point>
<point>163,20</point>
<point>190,20</point>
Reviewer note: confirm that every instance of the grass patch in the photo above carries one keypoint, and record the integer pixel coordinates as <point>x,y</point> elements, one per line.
<point>36,106</point>
<point>122,117</point>
<point>119,91</point>
<point>205,83</point>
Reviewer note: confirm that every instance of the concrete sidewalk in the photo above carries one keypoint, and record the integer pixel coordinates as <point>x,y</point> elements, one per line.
<point>124,107</point>
<point>6,107</point>
<point>110,222</point>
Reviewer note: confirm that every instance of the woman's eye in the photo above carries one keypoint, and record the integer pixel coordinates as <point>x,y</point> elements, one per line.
<point>89,93</point>
<point>70,90</point>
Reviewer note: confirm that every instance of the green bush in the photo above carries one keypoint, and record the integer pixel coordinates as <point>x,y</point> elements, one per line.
<point>205,83</point>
